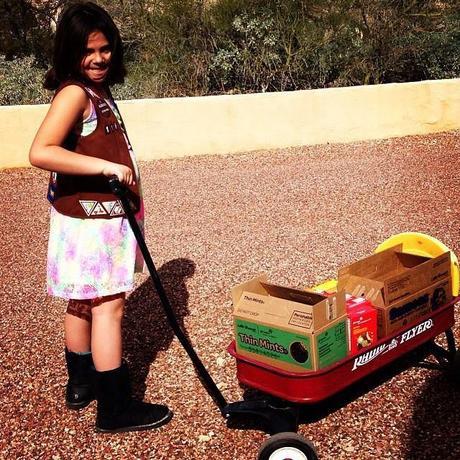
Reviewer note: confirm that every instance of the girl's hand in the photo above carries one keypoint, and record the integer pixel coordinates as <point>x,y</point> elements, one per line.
<point>124,174</point>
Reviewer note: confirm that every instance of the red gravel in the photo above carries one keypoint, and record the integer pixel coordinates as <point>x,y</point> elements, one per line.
<point>214,221</point>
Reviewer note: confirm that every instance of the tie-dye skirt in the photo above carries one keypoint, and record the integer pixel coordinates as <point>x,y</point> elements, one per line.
<point>89,258</point>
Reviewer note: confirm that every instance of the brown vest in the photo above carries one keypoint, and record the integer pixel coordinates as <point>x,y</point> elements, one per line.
<point>90,197</point>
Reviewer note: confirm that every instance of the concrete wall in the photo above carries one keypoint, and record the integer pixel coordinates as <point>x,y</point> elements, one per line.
<point>175,127</point>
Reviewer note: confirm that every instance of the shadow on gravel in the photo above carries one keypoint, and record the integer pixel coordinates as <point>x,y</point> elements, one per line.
<point>434,431</point>
<point>313,413</point>
<point>435,427</point>
<point>145,327</point>
<point>310,413</point>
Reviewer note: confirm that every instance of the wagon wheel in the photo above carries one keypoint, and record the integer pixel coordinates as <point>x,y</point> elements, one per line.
<point>287,446</point>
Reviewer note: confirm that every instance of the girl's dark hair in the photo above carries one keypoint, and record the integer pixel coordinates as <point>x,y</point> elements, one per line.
<point>75,24</point>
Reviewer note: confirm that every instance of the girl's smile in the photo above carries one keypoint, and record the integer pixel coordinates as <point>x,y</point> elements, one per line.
<point>96,61</point>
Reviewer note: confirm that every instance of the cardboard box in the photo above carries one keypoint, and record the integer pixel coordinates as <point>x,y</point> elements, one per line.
<point>290,329</point>
<point>424,301</point>
<point>362,323</point>
<point>403,287</point>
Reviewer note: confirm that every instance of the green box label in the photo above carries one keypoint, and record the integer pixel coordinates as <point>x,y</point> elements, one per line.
<point>332,344</point>
<point>273,343</point>
<point>292,348</point>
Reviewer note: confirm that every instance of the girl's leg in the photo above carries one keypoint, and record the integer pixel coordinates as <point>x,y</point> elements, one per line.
<point>116,409</point>
<point>77,326</point>
<point>106,345</point>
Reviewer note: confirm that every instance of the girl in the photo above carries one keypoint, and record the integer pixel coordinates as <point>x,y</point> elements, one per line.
<point>92,253</point>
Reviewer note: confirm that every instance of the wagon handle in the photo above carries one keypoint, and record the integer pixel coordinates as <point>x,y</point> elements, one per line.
<point>120,191</point>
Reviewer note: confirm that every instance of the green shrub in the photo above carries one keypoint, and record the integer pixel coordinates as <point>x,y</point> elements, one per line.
<point>249,61</point>
<point>440,50</point>
<point>25,28</point>
<point>198,47</point>
<point>21,82</point>
<point>174,50</point>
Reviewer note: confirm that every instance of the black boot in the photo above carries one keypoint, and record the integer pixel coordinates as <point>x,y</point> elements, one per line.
<point>117,411</point>
<point>79,391</point>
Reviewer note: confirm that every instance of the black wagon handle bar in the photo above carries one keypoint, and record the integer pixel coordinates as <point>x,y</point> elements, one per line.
<point>120,191</point>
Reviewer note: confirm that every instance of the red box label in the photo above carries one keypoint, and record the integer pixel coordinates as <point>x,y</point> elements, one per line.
<point>362,323</point>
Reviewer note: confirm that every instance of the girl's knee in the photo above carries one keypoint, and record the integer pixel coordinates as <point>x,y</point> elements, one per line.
<point>109,306</point>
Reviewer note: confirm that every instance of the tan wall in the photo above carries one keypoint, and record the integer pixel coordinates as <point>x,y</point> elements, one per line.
<point>175,127</point>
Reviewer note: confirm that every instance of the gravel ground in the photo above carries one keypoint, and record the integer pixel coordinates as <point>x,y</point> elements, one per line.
<point>214,221</point>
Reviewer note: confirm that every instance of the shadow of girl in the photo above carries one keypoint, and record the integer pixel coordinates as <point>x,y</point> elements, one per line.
<point>145,327</point>
<point>435,428</point>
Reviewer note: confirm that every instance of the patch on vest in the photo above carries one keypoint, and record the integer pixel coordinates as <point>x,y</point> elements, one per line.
<point>104,108</point>
<point>111,128</point>
<point>114,208</point>
<point>52,187</point>
<point>98,208</point>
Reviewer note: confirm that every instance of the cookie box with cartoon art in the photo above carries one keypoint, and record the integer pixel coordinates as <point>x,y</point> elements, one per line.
<point>362,323</point>
<point>289,329</point>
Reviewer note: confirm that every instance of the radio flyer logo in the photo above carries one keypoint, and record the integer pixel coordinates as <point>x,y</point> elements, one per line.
<point>410,334</point>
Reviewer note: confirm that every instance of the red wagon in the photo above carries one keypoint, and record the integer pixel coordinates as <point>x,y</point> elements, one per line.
<point>316,386</point>
<point>309,387</point>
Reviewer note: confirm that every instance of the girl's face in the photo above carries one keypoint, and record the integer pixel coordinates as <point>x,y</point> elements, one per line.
<point>96,61</point>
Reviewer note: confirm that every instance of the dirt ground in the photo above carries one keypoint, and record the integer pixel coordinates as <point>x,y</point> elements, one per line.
<point>297,215</point>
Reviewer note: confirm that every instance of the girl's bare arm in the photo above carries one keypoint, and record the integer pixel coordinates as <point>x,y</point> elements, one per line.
<point>68,107</point>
